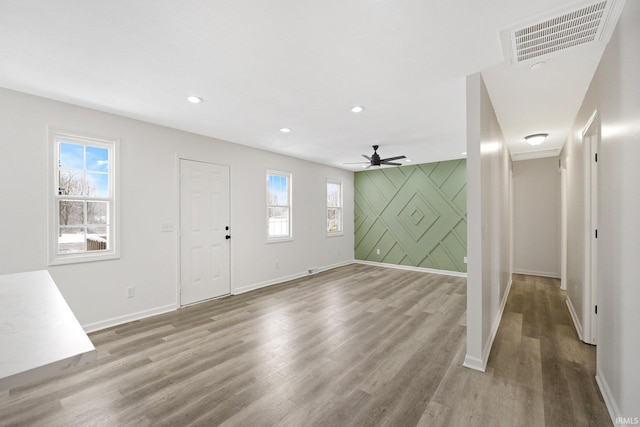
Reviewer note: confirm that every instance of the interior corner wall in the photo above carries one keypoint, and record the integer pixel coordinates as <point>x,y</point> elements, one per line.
<point>96,291</point>
<point>413,215</point>
<point>489,223</point>
<point>615,94</point>
<point>536,217</point>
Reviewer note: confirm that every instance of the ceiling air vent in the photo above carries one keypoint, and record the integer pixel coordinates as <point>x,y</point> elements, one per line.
<point>560,32</point>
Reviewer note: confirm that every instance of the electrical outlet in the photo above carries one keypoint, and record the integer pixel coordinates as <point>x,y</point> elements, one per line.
<point>377,251</point>
<point>465,260</point>
<point>131,291</point>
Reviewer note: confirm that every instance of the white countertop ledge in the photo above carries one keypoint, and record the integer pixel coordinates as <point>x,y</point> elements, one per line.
<point>39,334</point>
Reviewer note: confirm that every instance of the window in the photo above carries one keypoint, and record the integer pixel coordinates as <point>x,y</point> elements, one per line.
<point>83,199</point>
<point>334,207</point>
<point>278,206</point>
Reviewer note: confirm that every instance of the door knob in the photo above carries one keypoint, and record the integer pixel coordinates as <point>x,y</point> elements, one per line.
<point>227,237</point>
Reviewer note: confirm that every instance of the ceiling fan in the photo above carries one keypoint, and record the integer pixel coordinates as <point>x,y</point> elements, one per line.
<point>375,160</point>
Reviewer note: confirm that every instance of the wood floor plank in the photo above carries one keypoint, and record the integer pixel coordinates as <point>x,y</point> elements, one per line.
<point>354,346</point>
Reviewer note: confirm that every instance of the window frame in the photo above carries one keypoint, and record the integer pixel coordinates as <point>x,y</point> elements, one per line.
<point>340,208</point>
<point>56,137</point>
<point>289,177</point>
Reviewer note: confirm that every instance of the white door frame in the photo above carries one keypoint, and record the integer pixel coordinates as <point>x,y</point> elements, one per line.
<point>178,160</point>
<point>563,225</point>
<point>591,143</point>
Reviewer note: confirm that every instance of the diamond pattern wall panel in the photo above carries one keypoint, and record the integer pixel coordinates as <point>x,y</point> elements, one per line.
<point>413,215</point>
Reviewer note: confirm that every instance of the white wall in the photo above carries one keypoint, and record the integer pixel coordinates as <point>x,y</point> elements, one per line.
<point>96,291</point>
<point>536,186</point>
<point>615,94</point>
<point>488,226</point>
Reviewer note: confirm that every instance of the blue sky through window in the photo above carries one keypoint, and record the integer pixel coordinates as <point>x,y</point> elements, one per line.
<point>71,156</point>
<point>93,162</point>
<point>97,159</point>
<point>277,186</point>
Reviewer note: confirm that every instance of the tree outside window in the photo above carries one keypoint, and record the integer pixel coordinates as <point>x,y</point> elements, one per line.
<point>84,198</point>
<point>278,205</point>
<point>334,207</point>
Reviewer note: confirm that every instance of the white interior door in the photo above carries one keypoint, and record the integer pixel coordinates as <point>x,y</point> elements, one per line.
<point>204,227</point>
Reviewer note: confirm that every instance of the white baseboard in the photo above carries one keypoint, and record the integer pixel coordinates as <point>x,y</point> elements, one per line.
<point>474,363</point>
<point>481,364</point>
<point>115,321</point>
<point>486,350</point>
<point>538,273</point>
<point>96,326</point>
<point>254,286</point>
<point>609,401</point>
<point>282,279</point>
<point>574,317</point>
<point>496,324</point>
<point>410,268</point>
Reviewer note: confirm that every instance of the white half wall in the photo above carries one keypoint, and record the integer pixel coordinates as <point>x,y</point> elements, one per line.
<point>149,153</point>
<point>488,223</point>
<point>536,185</point>
<point>615,94</point>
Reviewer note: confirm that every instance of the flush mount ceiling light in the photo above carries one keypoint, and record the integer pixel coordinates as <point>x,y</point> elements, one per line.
<point>464,153</point>
<point>194,99</point>
<point>357,109</point>
<point>536,138</point>
<point>285,130</point>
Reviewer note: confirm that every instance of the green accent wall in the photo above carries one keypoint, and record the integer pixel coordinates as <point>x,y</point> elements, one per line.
<point>416,215</point>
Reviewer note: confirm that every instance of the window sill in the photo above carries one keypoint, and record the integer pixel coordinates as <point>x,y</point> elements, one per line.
<point>284,239</point>
<point>80,258</point>
<point>336,234</point>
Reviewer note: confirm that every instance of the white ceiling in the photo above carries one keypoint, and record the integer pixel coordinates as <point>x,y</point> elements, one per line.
<point>261,66</point>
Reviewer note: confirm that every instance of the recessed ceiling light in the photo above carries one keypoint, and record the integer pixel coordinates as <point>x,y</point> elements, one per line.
<point>536,138</point>
<point>285,130</point>
<point>407,160</point>
<point>537,66</point>
<point>194,99</point>
<point>364,166</point>
<point>357,109</point>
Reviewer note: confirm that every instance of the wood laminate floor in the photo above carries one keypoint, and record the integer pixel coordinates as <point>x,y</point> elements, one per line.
<point>354,346</point>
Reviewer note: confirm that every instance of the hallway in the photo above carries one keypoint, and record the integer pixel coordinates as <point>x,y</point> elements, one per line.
<point>537,346</point>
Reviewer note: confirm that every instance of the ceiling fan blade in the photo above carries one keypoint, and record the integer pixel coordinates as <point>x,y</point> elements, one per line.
<point>356,163</point>
<point>394,158</point>
<point>366,157</point>
<point>390,163</point>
